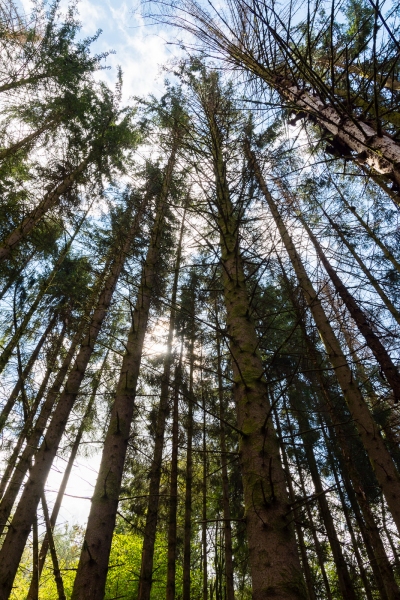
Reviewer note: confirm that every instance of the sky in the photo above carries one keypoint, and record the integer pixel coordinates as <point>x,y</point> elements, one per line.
<point>139,49</point>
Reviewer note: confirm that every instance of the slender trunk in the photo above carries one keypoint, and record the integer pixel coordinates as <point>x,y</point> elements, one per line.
<point>14,485</point>
<point>173,492</point>
<point>345,583</point>
<point>387,302</point>
<point>230,591</point>
<point>11,462</point>
<point>360,318</point>
<point>380,557</point>
<point>25,373</point>
<point>189,481</point>
<point>350,528</point>
<point>296,517</point>
<point>146,571</point>
<point>15,540</point>
<point>204,505</point>
<point>11,150</point>
<point>274,560</point>
<point>74,451</point>
<point>53,552</point>
<point>35,559</point>
<point>317,544</point>
<point>374,445</point>
<point>48,201</point>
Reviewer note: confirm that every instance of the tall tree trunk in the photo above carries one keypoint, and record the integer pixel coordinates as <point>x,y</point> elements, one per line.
<point>360,318</point>
<point>146,571</point>
<point>173,491</point>
<point>25,373</point>
<point>317,544</point>
<point>35,559</point>
<point>345,583</point>
<point>274,560</point>
<point>296,516</point>
<point>18,531</point>
<point>91,576</point>
<point>381,461</point>
<point>54,558</point>
<point>186,583</point>
<point>230,591</point>
<point>204,547</point>
<point>380,564</point>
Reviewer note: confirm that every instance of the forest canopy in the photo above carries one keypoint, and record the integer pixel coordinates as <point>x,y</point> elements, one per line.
<point>200,301</point>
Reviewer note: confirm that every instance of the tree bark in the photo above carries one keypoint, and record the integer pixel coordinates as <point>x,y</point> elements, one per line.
<point>186,584</point>
<point>381,461</point>
<point>173,491</point>
<point>345,583</point>
<point>18,531</point>
<point>274,560</point>
<point>230,590</point>
<point>53,552</point>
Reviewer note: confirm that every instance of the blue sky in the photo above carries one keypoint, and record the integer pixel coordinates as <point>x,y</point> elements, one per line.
<point>139,49</point>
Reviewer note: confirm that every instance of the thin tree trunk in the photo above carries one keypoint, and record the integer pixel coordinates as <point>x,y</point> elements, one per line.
<point>25,373</point>
<point>14,485</point>
<point>360,318</point>
<point>53,552</point>
<point>317,544</point>
<point>35,559</point>
<point>15,540</point>
<point>296,516</point>
<point>74,451</point>
<point>381,461</point>
<point>230,590</point>
<point>345,510</point>
<point>204,549</point>
<point>11,150</point>
<point>11,462</point>
<point>380,564</point>
<point>186,584</point>
<point>274,560</point>
<point>146,571</point>
<point>48,201</point>
<point>173,493</point>
<point>345,583</point>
